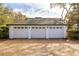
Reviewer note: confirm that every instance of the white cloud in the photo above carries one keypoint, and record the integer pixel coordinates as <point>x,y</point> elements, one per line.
<point>39,1</point>
<point>41,10</point>
<point>25,1</point>
<point>18,10</point>
<point>64,1</point>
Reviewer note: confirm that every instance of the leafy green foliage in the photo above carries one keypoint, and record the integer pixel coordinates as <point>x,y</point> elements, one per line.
<point>73,22</point>
<point>73,16</point>
<point>7,16</point>
<point>73,34</point>
<point>4,32</point>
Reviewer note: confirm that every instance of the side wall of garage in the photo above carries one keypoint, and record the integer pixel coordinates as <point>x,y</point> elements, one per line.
<point>11,32</point>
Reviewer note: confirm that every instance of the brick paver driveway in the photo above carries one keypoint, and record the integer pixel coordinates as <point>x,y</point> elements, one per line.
<point>38,47</point>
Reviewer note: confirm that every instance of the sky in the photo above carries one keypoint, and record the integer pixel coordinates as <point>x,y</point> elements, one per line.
<point>39,1</point>
<point>35,8</point>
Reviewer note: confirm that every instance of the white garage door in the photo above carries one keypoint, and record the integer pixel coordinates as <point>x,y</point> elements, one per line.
<point>55,32</point>
<point>38,32</point>
<point>20,32</point>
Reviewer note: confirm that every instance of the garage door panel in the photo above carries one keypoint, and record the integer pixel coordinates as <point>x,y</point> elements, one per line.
<point>38,33</point>
<point>20,33</point>
<point>55,33</point>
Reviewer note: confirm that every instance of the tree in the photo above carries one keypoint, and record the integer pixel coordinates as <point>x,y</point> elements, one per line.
<point>19,16</point>
<point>64,6</point>
<point>1,13</point>
<point>73,16</point>
<point>6,15</point>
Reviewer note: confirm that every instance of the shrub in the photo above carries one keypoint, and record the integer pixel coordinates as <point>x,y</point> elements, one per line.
<point>73,34</point>
<point>4,32</point>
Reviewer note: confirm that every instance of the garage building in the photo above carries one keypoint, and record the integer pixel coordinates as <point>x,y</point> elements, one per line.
<point>38,28</point>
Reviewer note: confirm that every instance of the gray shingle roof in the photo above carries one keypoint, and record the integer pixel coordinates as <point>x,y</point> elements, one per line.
<point>41,21</point>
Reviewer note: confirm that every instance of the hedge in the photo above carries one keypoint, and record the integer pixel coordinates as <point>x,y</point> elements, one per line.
<point>4,32</point>
<point>73,34</point>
